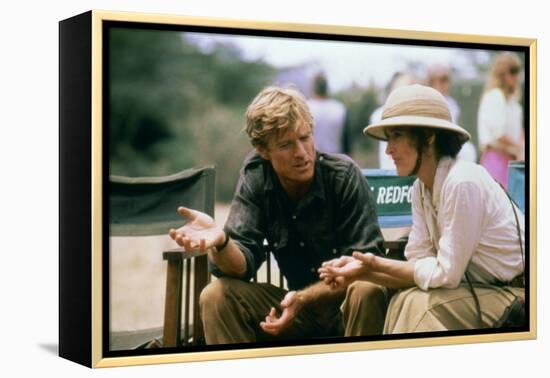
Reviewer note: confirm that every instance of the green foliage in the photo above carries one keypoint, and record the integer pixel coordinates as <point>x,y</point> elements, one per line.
<point>173,106</point>
<point>467,94</point>
<point>147,96</point>
<point>360,104</point>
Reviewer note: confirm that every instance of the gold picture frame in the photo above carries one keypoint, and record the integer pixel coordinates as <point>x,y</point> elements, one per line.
<point>83,187</point>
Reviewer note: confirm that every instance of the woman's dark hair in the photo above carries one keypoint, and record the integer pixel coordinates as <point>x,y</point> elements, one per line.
<point>447,143</point>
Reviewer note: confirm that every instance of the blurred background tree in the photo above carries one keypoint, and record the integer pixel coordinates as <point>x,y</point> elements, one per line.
<point>177,100</point>
<point>174,106</point>
<point>360,103</point>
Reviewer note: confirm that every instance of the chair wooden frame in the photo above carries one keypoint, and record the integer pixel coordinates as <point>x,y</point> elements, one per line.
<point>147,206</point>
<point>179,268</point>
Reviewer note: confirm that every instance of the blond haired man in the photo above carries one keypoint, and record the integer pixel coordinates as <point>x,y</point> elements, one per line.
<point>311,208</point>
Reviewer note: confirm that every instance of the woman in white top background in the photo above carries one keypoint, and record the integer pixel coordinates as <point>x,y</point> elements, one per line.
<point>463,223</point>
<point>500,117</point>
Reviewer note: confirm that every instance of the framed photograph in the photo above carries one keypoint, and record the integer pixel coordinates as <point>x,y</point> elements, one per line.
<point>236,189</point>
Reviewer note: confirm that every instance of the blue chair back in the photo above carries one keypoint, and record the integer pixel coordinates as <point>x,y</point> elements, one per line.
<point>393,196</point>
<point>516,183</point>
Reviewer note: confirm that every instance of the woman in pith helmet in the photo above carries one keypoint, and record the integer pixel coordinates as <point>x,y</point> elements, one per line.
<point>464,226</point>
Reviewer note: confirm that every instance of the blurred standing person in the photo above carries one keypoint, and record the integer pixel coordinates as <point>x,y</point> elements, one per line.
<point>399,79</point>
<point>439,78</point>
<point>499,119</point>
<point>330,119</point>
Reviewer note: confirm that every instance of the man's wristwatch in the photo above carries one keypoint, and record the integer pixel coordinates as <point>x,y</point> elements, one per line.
<point>221,247</point>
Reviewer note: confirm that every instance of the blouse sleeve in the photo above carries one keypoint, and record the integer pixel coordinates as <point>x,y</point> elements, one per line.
<point>491,119</point>
<point>460,235</point>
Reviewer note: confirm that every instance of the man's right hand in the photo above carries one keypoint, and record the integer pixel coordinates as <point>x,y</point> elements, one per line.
<point>291,305</point>
<point>200,233</point>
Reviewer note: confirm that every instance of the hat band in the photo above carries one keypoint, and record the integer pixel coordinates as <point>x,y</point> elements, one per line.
<point>419,107</point>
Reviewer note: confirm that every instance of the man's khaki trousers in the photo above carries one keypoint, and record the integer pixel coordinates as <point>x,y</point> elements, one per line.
<point>231,312</point>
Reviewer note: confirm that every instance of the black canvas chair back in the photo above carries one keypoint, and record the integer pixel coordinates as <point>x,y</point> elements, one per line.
<point>141,206</point>
<point>145,206</point>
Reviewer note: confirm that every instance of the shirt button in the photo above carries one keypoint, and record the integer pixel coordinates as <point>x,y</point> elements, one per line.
<point>334,251</point>
<point>313,270</point>
<point>275,245</point>
<point>294,217</point>
<point>302,244</point>
<point>321,158</point>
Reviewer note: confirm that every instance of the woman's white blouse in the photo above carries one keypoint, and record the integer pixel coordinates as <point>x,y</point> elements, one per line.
<point>498,117</point>
<point>467,222</point>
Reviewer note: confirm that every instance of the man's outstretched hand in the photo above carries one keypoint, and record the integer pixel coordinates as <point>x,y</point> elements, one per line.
<point>200,232</point>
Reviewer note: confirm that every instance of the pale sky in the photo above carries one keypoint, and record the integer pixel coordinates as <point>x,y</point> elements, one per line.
<point>342,62</point>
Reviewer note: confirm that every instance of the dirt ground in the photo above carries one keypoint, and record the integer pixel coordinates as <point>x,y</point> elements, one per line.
<point>138,278</point>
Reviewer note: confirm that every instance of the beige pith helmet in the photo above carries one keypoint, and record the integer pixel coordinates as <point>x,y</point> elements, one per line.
<point>415,105</point>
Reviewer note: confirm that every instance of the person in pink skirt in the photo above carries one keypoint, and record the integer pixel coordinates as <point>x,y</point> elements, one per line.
<point>500,128</point>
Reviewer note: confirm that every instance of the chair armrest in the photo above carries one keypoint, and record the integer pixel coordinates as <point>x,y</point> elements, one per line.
<point>394,244</point>
<point>180,254</point>
<point>395,249</point>
<point>179,270</point>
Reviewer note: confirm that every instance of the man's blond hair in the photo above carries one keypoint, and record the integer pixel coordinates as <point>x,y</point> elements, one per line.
<point>275,110</point>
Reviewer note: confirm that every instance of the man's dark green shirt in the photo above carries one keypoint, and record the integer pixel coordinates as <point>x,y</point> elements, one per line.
<point>336,217</point>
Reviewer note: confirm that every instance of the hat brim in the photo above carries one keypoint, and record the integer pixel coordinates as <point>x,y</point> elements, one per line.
<point>377,130</point>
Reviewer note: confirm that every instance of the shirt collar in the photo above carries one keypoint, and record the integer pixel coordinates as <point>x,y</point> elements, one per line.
<point>317,188</point>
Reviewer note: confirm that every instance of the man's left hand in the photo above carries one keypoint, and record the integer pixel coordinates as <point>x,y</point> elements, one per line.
<point>343,274</point>
<point>291,305</point>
